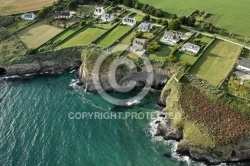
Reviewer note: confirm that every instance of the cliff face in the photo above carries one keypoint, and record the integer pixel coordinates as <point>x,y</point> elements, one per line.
<point>122,77</point>
<point>172,128</point>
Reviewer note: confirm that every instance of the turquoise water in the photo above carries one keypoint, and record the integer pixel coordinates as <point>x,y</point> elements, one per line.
<point>36,130</point>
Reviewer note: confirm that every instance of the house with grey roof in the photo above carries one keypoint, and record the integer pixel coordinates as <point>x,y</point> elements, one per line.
<point>129,21</point>
<point>28,16</point>
<point>106,17</point>
<point>99,11</point>
<point>170,38</point>
<point>190,48</point>
<point>145,27</point>
<point>62,14</point>
<point>244,65</point>
<point>139,44</point>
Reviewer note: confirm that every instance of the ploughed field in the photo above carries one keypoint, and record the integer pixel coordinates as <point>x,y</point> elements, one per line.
<point>38,33</point>
<point>8,7</point>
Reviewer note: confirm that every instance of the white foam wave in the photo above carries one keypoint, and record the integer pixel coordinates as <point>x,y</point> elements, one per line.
<point>9,77</point>
<point>74,83</point>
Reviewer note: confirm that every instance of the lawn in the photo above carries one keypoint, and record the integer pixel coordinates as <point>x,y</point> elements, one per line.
<point>114,35</point>
<point>17,25</point>
<point>216,62</point>
<point>130,55</point>
<point>18,6</point>
<point>161,54</point>
<point>233,14</point>
<point>84,37</point>
<point>39,33</point>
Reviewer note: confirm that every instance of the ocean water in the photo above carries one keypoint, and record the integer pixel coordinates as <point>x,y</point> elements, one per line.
<point>36,129</point>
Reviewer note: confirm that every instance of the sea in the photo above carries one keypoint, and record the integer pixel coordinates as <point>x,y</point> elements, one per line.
<point>43,121</point>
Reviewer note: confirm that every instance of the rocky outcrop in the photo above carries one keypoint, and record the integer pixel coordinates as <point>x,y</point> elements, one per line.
<point>160,78</point>
<point>50,67</point>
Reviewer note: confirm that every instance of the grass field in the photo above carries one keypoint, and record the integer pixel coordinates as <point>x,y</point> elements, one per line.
<point>216,62</point>
<point>161,54</point>
<point>233,14</point>
<point>85,36</point>
<point>114,35</point>
<point>38,33</point>
<point>8,7</point>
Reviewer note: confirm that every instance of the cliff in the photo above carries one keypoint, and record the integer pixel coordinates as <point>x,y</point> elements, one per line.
<point>195,138</point>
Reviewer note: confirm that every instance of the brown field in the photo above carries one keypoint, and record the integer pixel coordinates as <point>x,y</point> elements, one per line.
<point>8,7</point>
<point>39,33</point>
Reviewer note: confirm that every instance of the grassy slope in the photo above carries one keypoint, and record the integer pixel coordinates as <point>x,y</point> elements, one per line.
<point>113,35</point>
<point>84,37</point>
<point>233,14</point>
<point>216,62</point>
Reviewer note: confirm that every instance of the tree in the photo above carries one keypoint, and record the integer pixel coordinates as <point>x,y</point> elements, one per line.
<point>159,21</point>
<point>72,5</point>
<point>165,23</point>
<point>174,16</point>
<point>139,34</point>
<point>175,24</point>
<point>191,21</point>
<point>171,59</point>
<point>153,46</point>
<point>146,18</point>
<point>184,20</point>
<point>158,13</point>
<point>208,27</point>
<point>83,23</point>
<point>183,64</point>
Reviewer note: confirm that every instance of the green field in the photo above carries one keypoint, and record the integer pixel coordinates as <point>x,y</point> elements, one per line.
<point>114,35</point>
<point>66,34</point>
<point>161,54</point>
<point>216,62</point>
<point>233,15</point>
<point>84,37</point>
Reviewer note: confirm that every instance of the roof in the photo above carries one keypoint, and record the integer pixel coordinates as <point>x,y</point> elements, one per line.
<point>28,15</point>
<point>191,46</point>
<point>99,9</point>
<point>171,35</point>
<point>244,62</point>
<point>62,13</point>
<point>129,19</point>
<point>139,43</point>
<point>145,26</point>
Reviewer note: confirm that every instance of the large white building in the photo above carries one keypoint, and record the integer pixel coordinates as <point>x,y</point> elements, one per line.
<point>244,65</point>
<point>170,38</point>
<point>190,48</point>
<point>99,11</point>
<point>28,16</point>
<point>129,21</point>
<point>106,17</point>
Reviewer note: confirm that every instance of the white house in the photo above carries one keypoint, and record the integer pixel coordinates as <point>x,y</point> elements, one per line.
<point>99,11</point>
<point>170,38</point>
<point>129,21</point>
<point>62,14</point>
<point>28,16</point>
<point>106,17</point>
<point>139,44</point>
<point>190,48</point>
<point>145,27</point>
<point>244,65</point>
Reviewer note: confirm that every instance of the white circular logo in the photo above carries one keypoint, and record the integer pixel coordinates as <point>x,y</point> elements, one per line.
<point>128,82</point>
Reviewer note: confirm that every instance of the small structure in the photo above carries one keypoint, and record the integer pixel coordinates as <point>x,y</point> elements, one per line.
<point>106,17</point>
<point>244,65</point>
<point>28,16</point>
<point>145,27</point>
<point>170,38</point>
<point>129,21</point>
<point>190,48</point>
<point>99,11</point>
<point>62,14</point>
<point>139,44</point>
